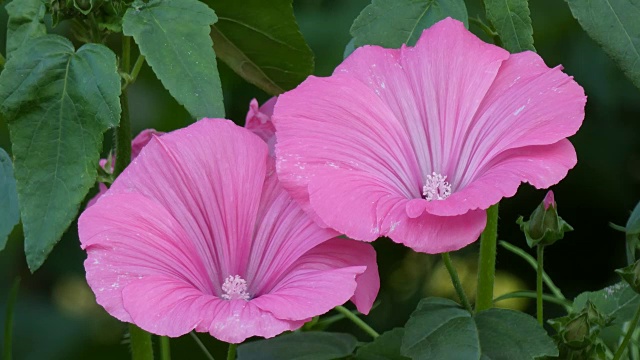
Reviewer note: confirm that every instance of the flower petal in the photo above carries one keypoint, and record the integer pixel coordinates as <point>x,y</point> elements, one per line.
<point>168,307</point>
<point>129,237</point>
<point>141,140</point>
<point>200,175</point>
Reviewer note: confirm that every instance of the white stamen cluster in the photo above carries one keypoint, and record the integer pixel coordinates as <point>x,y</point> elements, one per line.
<point>436,187</point>
<point>235,288</point>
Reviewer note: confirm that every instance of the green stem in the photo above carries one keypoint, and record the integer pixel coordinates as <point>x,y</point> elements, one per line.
<point>165,348</point>
<point>487,261</point>
<point>539,306</point>
<point>446,258</point>
<point>136,68</point>
<point>231,353</point>
<point>141,347</point>
<point>201,345</point>
<point>123,132</point>
<point>627,337</point>
<point>8,321</point>
<point>356,320</point>
<point>532,295</point>
<point>528,258</point>
<point>486,28</point>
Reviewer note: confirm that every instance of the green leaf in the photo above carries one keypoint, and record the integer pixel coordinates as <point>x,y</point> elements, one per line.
<point>57,102</point>
<point>633,224</point>
<point>618,301</point>
<point>441,329</point>
<point>260,40</point>
<point>310,345</point>
<point>614,25</point>
<point>384,347</point>
<point>512,20</point>
<point>10,215</point>
<point>173,35</point>
<point>391,23</point>
<point>26,21</point>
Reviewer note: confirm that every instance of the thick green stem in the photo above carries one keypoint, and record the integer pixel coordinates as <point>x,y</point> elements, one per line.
<point>487,261</point>
<point>123,132</point>
<point>356,320</point>
<point>446,258</point>
<point>539,306</point>
<point>165,348</point>
<point>231,353</point>
<point>627,337</point>
<point>141,347</point>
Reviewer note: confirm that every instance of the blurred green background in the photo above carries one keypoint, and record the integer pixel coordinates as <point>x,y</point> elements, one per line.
<point>57,318</point>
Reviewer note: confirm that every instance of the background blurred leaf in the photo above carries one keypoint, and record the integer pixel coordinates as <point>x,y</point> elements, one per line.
<point>299,346</point>
<point>173,35</point>
<point>25,22</point>
<point>439,325</point>
<point>57,102</point>
<point>260,40</point>
<point>614,25</point>
<point>512,20</point>
<point>384,347</point>
<point>10,215</point>
<point>391,23</point>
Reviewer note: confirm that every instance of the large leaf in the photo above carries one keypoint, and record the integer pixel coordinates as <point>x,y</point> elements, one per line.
<point>260,40</point>
<point>391,23</point>
<point>26,21</point>
<point>615,26</point>
<point>512,20</point>
<point>173,35</point>
<point>441,329</point>
<point>618,301</point>
<point>57,102</point>
<point>10,215</point>
<point>299,346</point>
<point>384,347</point>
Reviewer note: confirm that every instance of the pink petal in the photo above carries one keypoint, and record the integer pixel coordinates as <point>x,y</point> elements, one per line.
<point>177,171</point>
<point>165,306</point>
<point>141,140</point>
<point>258,120</point>
<point>129,237</point>
<point>102,189</point>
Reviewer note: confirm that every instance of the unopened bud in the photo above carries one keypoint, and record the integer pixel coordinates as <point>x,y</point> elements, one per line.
<point>544,227</point>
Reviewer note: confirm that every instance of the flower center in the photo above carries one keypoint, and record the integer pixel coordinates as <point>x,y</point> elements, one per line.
<point>436,187</point>
<point>235,288</point>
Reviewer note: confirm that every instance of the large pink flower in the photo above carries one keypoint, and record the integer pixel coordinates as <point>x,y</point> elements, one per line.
<point>415,143</point>
<point>197,233</point>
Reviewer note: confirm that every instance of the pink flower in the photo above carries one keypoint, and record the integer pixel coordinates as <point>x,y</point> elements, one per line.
<point>137,144</point>
<point>415,143</point>
<point>197,233</point>
<point>259,121</point>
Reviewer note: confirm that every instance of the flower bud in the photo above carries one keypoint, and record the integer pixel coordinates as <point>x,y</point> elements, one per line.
<point>544,227</point>
<point>631,274</point>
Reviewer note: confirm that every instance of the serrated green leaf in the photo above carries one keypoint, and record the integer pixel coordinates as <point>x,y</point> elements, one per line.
<point>512,21</point>
<point>441,329</point>
<point>173,35</point>
<point>391,23</point>
<point>614,25</point>
<point>10,215</point>
<point>618,301</point>
<point>310,345</point>
<point>260,40</point>
<point>26,21</point>
<point>57,102</point>
<point>384,347</point>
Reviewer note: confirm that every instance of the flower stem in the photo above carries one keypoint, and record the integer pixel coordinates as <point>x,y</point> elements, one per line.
<point>446,258</point>
<point>165,348</point>
<point>356,320</point>
<point>136,68</point>
<point>141,347</point>
<point>627,337</point>
<point>487,261</point>
<point>231,353</point>
<point>539,285</point>
<point>201,345</point>
<point>533,295</point>
<point>8,322</point>
<point>123,132</point>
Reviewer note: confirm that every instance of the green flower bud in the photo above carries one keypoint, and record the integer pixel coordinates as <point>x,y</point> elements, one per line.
<point>631,274</point>
<point>544,227</point>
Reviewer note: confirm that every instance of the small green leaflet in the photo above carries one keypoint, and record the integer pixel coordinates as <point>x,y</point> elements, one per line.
<point>260,40</point>
<point>10,215</point>
<point>26,21</point>
<point>391,23</point>
<point>173,35</point>
<point>58,103</point>
<point>614,25</point>
<point>310,345</point>
<point>512,20</point>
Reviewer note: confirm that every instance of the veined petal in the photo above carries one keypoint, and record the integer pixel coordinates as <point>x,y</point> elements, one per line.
<point>141,140</point>
<point>195,174</point>
<point>258,120</point>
